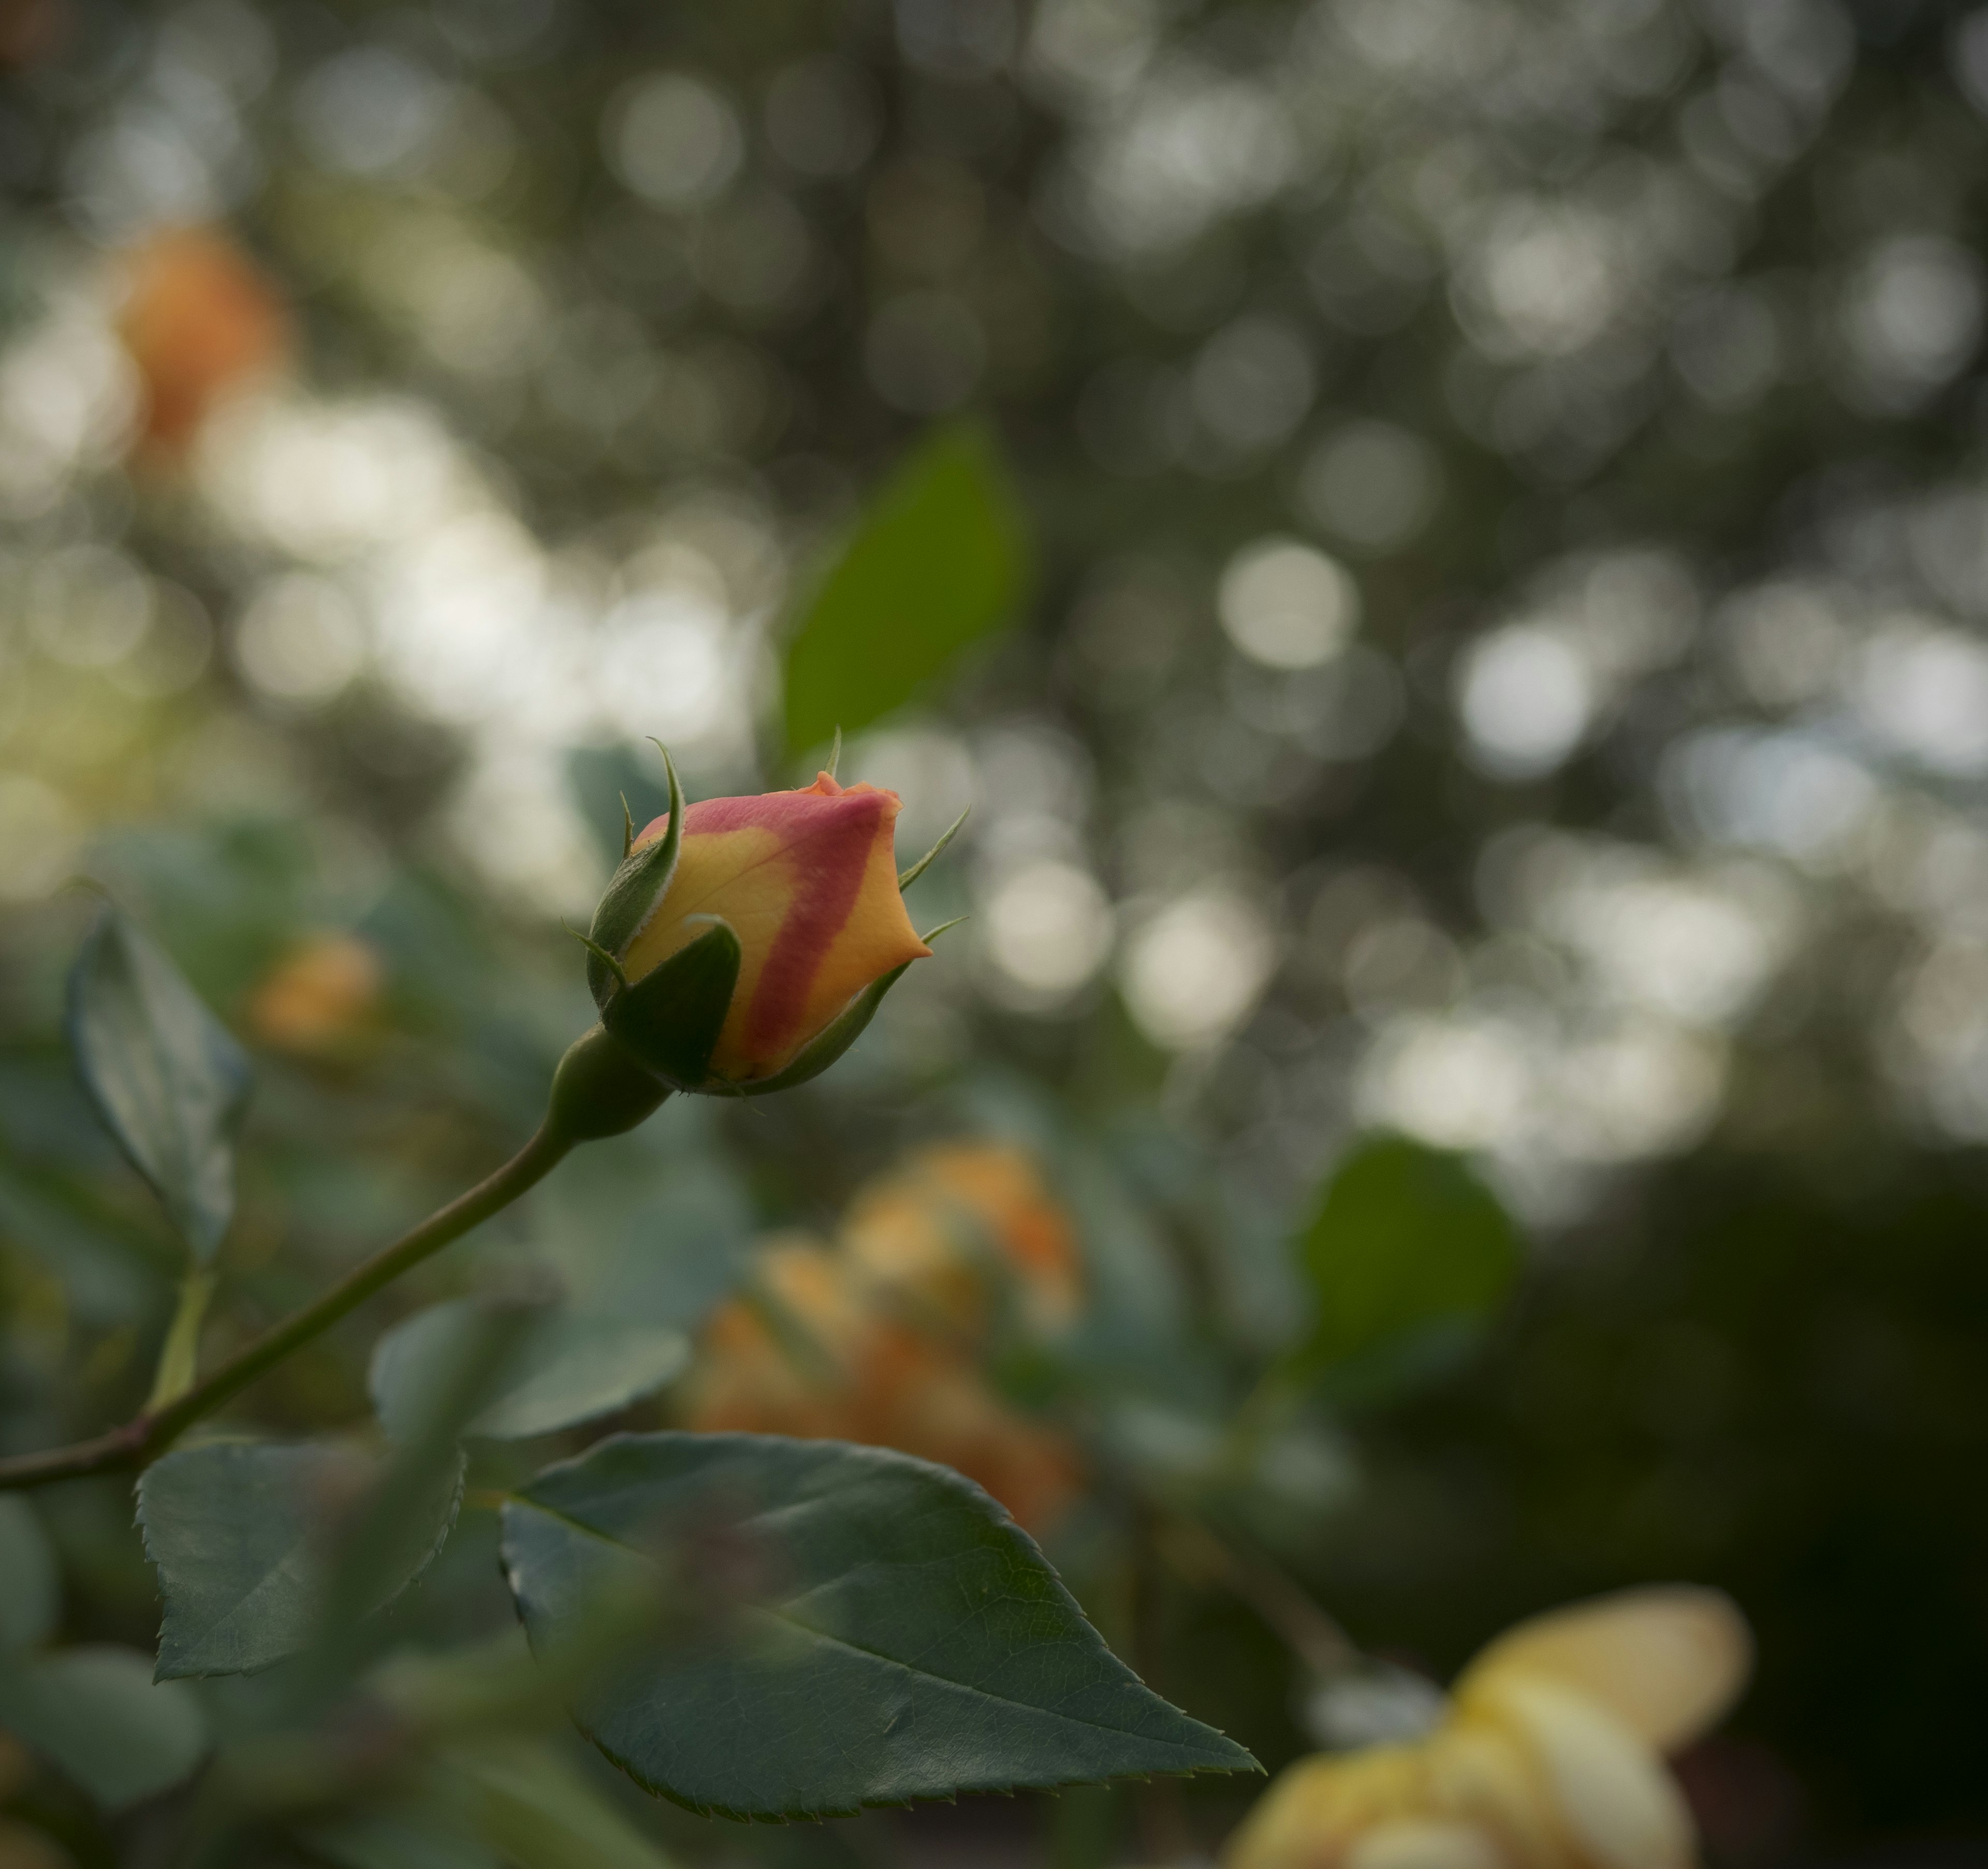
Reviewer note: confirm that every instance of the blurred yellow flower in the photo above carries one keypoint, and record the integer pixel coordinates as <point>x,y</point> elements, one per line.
<point>1550,1755</point>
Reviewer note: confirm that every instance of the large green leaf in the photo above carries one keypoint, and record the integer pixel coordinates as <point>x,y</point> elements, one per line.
<point>97,1715</point>
<point>939,561</point>
<point>243,1536</point>
<point>1407,1242</point>
<point>565,1367</point>
<point>171,1082</point>
<point>872,1629</point>
<point>30,1586</point>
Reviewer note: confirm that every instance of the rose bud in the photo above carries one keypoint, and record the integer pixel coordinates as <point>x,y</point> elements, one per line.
<point>744,943</point>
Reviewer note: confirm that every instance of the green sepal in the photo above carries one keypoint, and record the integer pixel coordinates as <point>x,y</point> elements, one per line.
<point>906,877</point>
<point>671,1017</point>
<point>633,891</point>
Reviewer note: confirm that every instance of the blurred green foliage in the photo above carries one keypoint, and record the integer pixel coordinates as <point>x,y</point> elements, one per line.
<point>1407,1248</point>
<point>939,561</point>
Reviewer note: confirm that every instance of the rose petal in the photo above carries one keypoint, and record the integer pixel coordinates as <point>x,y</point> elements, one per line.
<point>1615,1801</point>
<point>1315,1810</point>
<point>1668,1663</point>
<point>1424,1842</point>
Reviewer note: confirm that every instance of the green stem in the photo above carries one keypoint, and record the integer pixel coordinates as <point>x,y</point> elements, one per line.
<point>150,1433</point>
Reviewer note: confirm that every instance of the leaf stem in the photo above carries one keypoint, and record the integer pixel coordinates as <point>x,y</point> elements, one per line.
<point>179,1356</point>
<point>150,1433</point>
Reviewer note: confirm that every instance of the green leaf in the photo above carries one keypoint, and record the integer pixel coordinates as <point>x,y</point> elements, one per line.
<point>30,1584</point>
<point>97,1715</point>
<point>939,561</point>
<point>169,1082</point>
<point>242,1535</point>
<point>1407,1243</point>
<point>873,1629</point>
<point>565,1367</point>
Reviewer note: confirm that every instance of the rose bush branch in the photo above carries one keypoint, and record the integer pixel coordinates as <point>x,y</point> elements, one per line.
<point>740,948</point>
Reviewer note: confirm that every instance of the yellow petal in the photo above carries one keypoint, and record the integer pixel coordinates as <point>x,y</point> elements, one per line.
<point>1667,1662</point>
<point>1481,1772</point>
<point>1424,1842</point>
<point>1316,1810</point>
<point>1615,1802</point>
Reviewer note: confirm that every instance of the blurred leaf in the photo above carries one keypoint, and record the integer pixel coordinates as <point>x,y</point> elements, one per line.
<point>407,1836</point>
<point>510,1800</point>
<point>1407,1243</point>
<point>373,1559</point>
<point>102,1277</point>
<point>937,561</point>
<point>565,1367</point>
<point>527,1801</point>
<point>96,1713</point>
<point>30,1584</point>
<point>171,1082</point>
<point>241,1535</point>
<point>659,1243</point>
<point>885,1631</point>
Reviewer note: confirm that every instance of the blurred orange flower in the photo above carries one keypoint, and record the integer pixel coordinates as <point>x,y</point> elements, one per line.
<point>200,321</point>
<point>1550,1756</point>
<point>962,1225</point>
<point>873,1343</point>
<point>321,995</point>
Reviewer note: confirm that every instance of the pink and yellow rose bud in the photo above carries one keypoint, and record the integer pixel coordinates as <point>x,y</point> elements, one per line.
<point>1550,1756</point>
<point>746,949</point>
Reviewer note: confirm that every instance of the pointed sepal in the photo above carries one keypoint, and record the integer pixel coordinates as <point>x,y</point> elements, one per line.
<point>633,893</point>
<point>670,1019</point>
<point>906,877</point>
